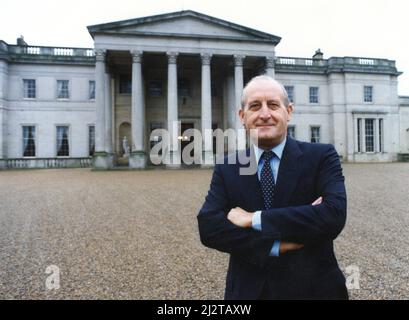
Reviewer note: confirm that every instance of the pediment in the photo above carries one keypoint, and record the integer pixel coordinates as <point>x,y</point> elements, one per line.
<point>183,24</point>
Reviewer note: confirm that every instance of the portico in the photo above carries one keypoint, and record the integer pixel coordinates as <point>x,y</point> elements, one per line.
<point>180,67</point>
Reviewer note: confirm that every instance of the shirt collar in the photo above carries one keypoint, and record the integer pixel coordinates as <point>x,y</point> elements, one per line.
<point>278,150</point>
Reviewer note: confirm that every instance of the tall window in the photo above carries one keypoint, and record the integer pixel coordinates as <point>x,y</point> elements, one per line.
<point>290,92</point>
<point>184,89</point>
<point>313,94</point>
<point>369,135</point>
<point>155,88</point>
<point>125,84</point>
<point>291,131</point>
<point>315,134</point>
<point>62,89</point>
<point>91,93</point>
<point>368,90</point>
<point>91,140</point>
<point>63,147</point>
<point>29,142</point>
<point>29,88</point>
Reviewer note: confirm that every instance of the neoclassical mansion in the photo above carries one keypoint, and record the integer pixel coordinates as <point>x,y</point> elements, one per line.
<point>67,107</point>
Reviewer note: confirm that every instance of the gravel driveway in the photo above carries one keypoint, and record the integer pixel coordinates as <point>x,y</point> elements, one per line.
<point>133,234</point>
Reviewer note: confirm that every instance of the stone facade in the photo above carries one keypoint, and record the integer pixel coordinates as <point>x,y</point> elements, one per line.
<point>146,73</point>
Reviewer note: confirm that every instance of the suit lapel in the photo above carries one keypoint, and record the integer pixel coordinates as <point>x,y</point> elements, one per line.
<point>288,174</point>
<point>251,191</point>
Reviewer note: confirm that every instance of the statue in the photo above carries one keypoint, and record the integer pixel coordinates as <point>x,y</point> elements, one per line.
<point>125,146</point>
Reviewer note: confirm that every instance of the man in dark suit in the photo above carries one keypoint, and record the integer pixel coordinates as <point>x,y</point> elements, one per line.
<point>278,224</point>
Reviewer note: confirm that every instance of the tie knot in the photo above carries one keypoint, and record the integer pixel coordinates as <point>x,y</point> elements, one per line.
<point>268,155</point>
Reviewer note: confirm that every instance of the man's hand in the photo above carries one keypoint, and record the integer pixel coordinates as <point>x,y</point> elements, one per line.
<point>290,246</point>
<point>240,217</point>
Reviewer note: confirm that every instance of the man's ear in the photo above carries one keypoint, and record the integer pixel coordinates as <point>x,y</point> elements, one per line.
<point>241,115</point>
<point>290,110</point>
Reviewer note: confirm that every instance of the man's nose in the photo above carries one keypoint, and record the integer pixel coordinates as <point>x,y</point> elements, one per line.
<point>265,111</point>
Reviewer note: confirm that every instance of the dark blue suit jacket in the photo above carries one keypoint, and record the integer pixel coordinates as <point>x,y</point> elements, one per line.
<point>307,171</point>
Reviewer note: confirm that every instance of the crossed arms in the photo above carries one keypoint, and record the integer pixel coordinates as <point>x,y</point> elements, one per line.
<point>244,219</point>
<point>294,226</point>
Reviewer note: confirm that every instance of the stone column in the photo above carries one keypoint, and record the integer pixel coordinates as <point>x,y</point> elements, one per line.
<point>376,137</point>
<point>231,103</point>
<point>173,156</point>
<point>270,66</point>
<point>362,134</point>
<point>231,114</point>
<point>238,87</point>
<point>137,158</point>
<point>207,159</point>
<point>108,114</point>
<point>102,158</point>
<point>112,101</point>
<point>350,136</point>
<point>356,137</point>
<point>100,100</point>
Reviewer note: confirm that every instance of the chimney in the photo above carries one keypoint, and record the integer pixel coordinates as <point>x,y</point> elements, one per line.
<point>21,42</point>
<point>318,55</point>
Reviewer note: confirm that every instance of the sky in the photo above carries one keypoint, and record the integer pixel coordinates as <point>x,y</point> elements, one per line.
<point>361,28</point>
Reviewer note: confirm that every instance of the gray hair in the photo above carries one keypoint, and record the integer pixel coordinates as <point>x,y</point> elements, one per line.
<point>265,78</point>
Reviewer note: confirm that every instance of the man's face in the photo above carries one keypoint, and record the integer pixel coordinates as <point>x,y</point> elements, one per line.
<point>265,112</point>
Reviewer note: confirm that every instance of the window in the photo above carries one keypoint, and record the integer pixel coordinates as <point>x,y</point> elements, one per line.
<point>290,92</point>
<point>62,89</point>
<point>291,131</point>
<point>29,142</point>
<point>313,94</point>
<point>91,94</point>
<point>369,135</point>
<point>63,147</point>
<point>155,88</point>
<point>125,84</point>
<point>184,88</point>
<point>91,140</point>
<point>29,88</point>
<point>368,90</point>
<point>315,134</point>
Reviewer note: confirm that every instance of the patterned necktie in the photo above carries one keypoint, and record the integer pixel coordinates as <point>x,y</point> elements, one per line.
<point>267,180</point>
